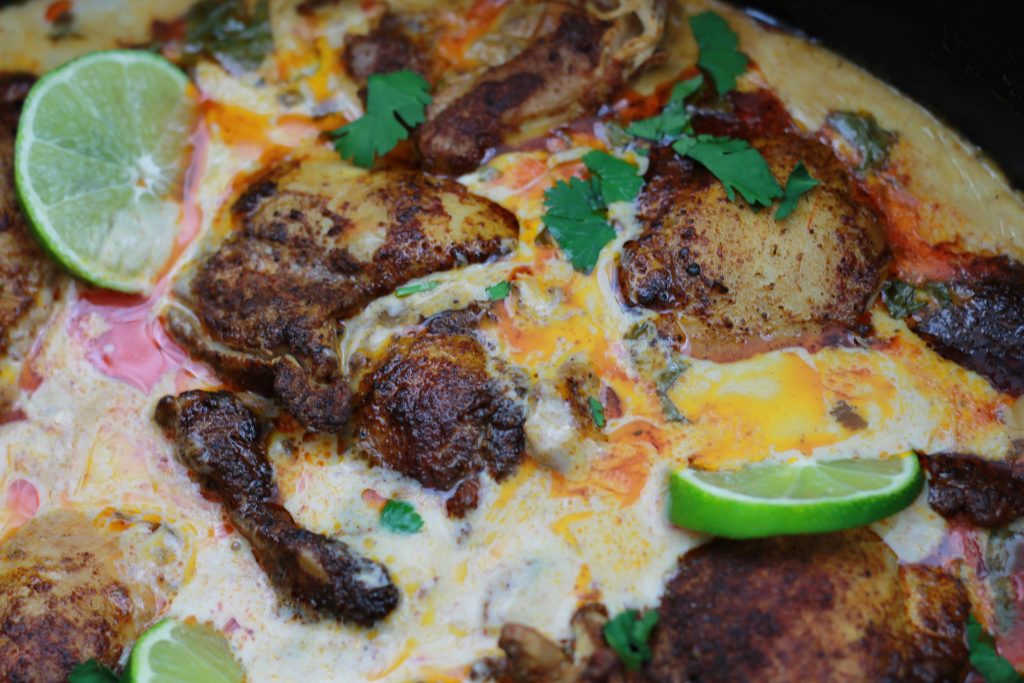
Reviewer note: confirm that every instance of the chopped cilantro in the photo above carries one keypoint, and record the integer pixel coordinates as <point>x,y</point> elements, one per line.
<point>664,383</point>
<point>863,133</point>
<point>575,217</point>
<point>800,181</point>
<point>673,120</point>
<point>92,672</point>
<point>408,290</point>
<point>900,298</point>
<point>227,32</point>
<point>628,634</point>
<point>617,179</point>
<point>499,290</point>
<point>734,162</point>
<point>718,54</point>
<point>395,103</point>
<point>596,412</point>
<point>400,517</point>
<point>992,666</point>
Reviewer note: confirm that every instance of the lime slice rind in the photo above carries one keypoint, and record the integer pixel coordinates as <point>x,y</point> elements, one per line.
<point>176,652</point>
<point>799,498</point>
<point>100,160</point>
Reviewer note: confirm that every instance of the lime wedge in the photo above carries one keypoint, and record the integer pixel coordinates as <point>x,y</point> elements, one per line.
<point>177,652</point>
<point>800,498</point>
<point>99,163</point>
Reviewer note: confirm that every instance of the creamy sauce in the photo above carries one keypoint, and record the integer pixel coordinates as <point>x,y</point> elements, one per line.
<point>591,526</point>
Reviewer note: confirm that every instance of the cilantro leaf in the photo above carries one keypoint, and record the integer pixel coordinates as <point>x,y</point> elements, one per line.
<point>92,671</point>
<point>799,182</point>
<point>673,120</point>
<point>227,32</point>
<point>734,162</point>
<point>718,53</point>
<point>628,636</point>
<point>862,132</point>
<point>408,290</point>
<point>900,298</point>
<point>617,179</point>
<point>596,412</point>
<point>574,216</point>
<point>499,290</point>
<point>992,666</point>
<point>400,517</point>
<point>395,103</point>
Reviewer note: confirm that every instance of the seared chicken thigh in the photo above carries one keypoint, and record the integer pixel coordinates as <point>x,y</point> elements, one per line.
<point>70,591</point>
<point>836,607</point>
<point>314,242</point>
<point>730,281</point>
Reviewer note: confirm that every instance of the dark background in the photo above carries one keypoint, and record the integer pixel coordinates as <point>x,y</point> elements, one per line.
<point>964,61</point>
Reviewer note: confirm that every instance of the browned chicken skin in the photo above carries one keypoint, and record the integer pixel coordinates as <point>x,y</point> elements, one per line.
<point>966,488</point>
<point>571,69</point>
<point>432,410</point>
<point>220,440</point>
<point>982,325</point>
<point>315,242</point>
<point>25,272</point>
<point>731,281</point>
<point>66,596</point>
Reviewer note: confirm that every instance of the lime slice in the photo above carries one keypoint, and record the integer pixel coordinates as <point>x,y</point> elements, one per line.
<point>177,652</point>
<point>800,498</point>
<point>99,164</point>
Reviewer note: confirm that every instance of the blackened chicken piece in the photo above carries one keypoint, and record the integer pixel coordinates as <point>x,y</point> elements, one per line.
<point>314,242</point>
<point>25,273</point>
<point>71,591</point>
<point>732,281</point>
<point>221,441</point>
<point>966,488</point>
<point>835,607</point>
<point>981,327</point>
<point>572,68</point>
<point>433,410</point>
<point>385,49</point>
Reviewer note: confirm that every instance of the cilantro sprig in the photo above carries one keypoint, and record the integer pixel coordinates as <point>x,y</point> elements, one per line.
<point>627,634</point>
<point>673,121</point>
<point>719,55</point>
<point>395,104</point>
<point>576,212</point>
<point>400,517</point>
<point>800,181</point>
<point>992,666</point>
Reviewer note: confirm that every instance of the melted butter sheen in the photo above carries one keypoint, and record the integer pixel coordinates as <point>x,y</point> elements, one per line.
<point>587,527</point>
